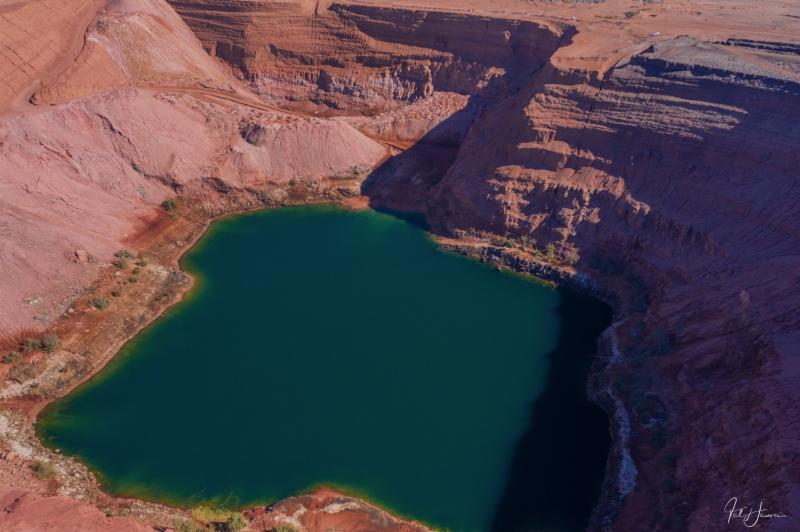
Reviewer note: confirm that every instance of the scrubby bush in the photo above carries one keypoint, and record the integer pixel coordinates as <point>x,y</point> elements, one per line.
<point>121,264</point>
<point>24,371</point>
<point>116,293</point>
<point>236,522</point>
<point>503,242</point>
<point>141,263</point>
<point>572,257</point>
<point>43,470</point>
<point>30,344</point>
<point>99,303</point>
<point>190,526</point>
<point>12,357</point>
<point>117,512</point>
<point>125,254</point>
<point>220,519</point>
<point>50,343</point>
<point>169,205</point>
<point>133,279</point>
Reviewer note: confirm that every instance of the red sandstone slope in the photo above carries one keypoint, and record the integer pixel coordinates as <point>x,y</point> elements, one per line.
<point>28,512</point>
<point>134,41</point>
<point>81,178</point>
<point>39,39</point>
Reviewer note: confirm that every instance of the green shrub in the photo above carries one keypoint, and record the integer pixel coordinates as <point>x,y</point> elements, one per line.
<point>125,254</point>
<point>133,279</point>
<point>230,520</point>
<point>117,512</point>
<point>30,344</point>
<point>503,242</point>
<point>190,526</point>
<point>99,303</point>
<point>141,263</point>
<point>43,470</point>
<point>207,514</point>
<point>116,293</point>
<point>121,264</point>
<point>550,252</point>
<point>236,522</point>
<point>50,343</point>
<point>136,270</point>
<point>12,357</point>
<point>356,172</point>
<point>169,205</point>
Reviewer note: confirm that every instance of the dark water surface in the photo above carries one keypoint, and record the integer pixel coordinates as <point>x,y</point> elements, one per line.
<point>323,346</point>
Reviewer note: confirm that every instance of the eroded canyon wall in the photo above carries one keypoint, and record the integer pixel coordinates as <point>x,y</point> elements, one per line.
<point>676,176</point>
<point>368,58</point>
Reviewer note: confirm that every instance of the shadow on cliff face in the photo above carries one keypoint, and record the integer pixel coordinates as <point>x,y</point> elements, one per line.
<point>557,468</point>
<point>401,184</point>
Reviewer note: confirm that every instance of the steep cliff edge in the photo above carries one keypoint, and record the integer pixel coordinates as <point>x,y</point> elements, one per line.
<point>672,181</point>
<point>365,58</point>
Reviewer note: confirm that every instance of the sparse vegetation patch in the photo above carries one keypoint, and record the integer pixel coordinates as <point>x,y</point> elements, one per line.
<point>43,470</point>
<point>125,254</point>
<point>50,343</point>
<point>169,205</point>
<point>220,519</point>
<point>99,303</point>
<point>12,357</point>
<point>30,345</point>
<point>47,343</point>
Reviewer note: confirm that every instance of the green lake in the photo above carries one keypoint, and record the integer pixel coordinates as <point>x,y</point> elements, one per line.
<point>322,346</point>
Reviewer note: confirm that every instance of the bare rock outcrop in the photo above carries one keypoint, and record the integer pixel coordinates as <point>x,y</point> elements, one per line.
<point>135,41</point>
<point>351,57</point>
<point>675,173</point>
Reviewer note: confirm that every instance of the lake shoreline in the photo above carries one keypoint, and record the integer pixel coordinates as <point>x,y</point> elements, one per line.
<point>168,244</point>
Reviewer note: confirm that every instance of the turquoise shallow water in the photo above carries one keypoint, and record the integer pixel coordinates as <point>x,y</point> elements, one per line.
<point>324,346</point>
